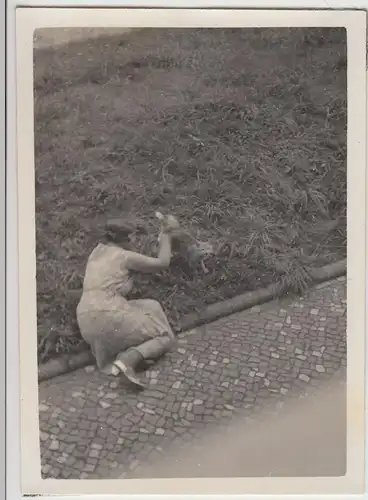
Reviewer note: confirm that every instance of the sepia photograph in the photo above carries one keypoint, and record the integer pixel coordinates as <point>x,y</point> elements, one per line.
<point>177,169</point>
<point>190,192</point>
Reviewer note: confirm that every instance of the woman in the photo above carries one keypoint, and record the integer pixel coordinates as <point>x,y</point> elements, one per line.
<point>124,333</point>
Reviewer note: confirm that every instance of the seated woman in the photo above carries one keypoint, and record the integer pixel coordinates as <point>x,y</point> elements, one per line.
<point>124,333</point>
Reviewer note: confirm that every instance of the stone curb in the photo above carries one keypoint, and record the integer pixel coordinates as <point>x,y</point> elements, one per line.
<point>250,299</point>
<point>67,363</point>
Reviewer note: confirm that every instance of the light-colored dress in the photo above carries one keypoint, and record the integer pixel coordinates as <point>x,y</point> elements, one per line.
<point>107,320</point>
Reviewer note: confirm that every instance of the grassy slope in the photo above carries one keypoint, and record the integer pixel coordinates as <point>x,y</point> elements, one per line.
<point>241,134</point>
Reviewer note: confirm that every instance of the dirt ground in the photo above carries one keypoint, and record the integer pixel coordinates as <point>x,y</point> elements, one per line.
<point>240,133</point>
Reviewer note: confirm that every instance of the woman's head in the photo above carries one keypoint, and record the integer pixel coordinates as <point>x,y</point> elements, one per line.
<point>119,231</point>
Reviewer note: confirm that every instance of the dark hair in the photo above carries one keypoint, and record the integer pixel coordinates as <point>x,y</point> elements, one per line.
<point>117,231</point>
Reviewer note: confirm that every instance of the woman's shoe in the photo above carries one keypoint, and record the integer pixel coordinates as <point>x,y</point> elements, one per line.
<point>127,362</point>
<point>127,374</point>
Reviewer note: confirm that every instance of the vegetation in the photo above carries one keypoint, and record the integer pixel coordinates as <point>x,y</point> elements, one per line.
<point>239,133</point>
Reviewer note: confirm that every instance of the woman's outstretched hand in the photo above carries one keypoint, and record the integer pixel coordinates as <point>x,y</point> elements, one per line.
<point>169,224</point>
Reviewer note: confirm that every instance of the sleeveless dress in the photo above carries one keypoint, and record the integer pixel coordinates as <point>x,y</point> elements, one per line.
<point>108,322</point>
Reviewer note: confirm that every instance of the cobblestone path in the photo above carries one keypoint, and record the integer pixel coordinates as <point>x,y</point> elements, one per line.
<point>90,427</point>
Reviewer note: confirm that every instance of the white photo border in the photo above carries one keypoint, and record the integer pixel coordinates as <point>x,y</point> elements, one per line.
<point>355,23</point>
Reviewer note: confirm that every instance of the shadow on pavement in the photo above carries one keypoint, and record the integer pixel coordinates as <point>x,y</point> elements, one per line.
<point>306,437</point>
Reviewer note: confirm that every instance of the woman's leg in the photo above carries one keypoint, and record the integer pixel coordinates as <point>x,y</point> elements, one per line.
<point>157,318</point>
<point>154,348</point>
<point>93,330</point>
<point>105,335</point>
<point>128,361</point>
<point>140,333</point>
<point>104,360</point>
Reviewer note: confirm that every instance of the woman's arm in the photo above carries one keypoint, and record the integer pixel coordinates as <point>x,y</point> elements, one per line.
<point>142,263</point>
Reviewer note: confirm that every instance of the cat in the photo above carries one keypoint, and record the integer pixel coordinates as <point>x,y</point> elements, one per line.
<point>184,244</point>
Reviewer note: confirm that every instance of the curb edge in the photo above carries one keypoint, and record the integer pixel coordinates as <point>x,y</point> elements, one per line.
<point>68,363</point>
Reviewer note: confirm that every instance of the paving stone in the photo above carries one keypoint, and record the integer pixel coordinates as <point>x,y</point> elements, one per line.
<point>320,368</point>
<point>229,407</point>
<point>317,354</point>
<point>44,436</point>
<point>89,468</point>
<point>46,469</point>
<point>54,445</point>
